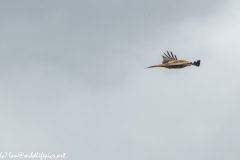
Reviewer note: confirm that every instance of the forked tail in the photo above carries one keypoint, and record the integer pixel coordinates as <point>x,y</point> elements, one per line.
<point>196,63</point>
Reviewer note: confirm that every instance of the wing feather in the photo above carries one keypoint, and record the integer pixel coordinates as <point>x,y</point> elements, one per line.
<point>168,57</point>
<point>175,57</point>
<point>169,54</point>
<point>172,54</point>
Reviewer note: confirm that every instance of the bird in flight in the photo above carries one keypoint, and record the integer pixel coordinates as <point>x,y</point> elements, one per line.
<point>170,61</point>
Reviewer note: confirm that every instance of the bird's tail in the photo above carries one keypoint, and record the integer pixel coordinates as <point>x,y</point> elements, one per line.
<point>196,63</point>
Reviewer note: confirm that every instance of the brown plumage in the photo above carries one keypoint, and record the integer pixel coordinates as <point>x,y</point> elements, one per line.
<point>170,61</point>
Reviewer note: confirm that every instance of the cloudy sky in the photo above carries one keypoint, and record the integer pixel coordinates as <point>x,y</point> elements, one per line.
<point>73,79</point>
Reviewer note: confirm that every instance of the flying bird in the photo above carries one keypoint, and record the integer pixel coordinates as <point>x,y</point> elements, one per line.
<point>170,61</point>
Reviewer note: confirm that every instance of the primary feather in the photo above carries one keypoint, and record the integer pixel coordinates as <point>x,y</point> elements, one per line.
<point>168,58</point>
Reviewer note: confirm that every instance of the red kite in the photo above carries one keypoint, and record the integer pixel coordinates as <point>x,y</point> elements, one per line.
<point>171,61</point>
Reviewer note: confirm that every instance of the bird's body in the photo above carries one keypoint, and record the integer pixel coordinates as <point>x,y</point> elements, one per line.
<point>170,61</point>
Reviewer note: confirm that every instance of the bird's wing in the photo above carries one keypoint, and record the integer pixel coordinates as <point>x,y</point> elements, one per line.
<point>166,60</point>
<point>168,57</point>
<point>177,62</point>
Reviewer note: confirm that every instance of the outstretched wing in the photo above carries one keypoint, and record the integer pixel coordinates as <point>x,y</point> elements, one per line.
<point>168,57</point>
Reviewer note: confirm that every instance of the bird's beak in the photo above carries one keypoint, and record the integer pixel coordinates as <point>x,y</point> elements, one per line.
<point>158,65</point>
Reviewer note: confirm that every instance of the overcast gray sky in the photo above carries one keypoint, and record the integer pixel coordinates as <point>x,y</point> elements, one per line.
<point>73,79</point>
